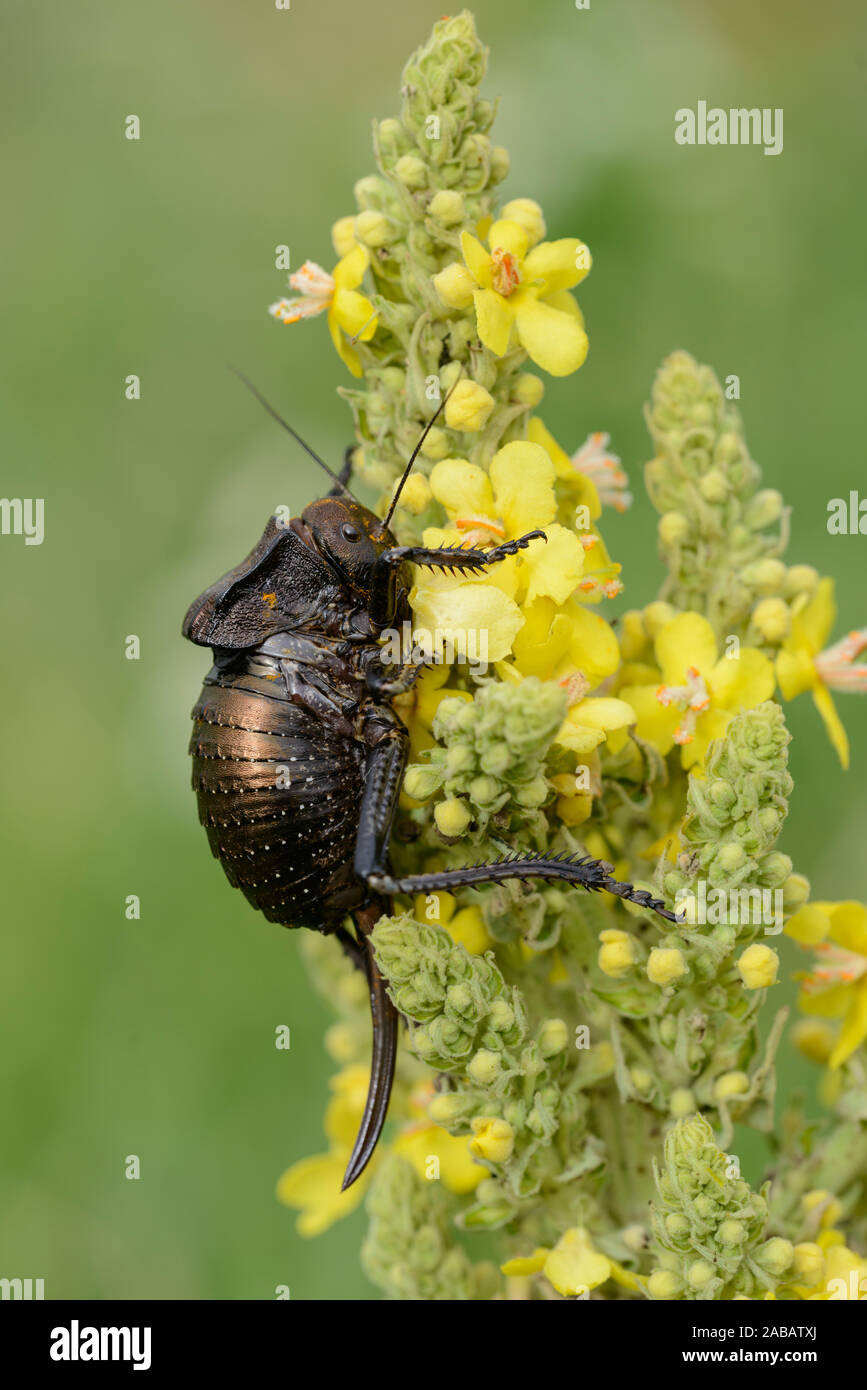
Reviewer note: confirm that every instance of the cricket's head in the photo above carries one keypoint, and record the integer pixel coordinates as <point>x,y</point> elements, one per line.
<point>348,536</point>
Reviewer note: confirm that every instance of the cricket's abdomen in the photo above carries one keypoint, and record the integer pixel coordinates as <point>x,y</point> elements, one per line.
<point>278,794</point>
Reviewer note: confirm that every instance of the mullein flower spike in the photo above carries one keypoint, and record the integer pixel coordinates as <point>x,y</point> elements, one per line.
<point>572,1062</point>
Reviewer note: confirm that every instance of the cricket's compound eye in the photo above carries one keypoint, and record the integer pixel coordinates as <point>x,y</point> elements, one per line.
<point>350,533</point>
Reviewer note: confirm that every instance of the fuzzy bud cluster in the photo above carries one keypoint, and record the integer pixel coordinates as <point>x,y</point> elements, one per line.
<point>714,528</point>
<point>490,758</point>
<point>709,1225</point>
<point>438,172</point>
<point>410,1249</point>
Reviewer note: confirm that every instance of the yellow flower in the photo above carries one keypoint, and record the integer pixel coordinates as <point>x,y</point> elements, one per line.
<point>337,295</point>
<point>699,693</point>
<point>483,614</point>
<point>523,293</point>
<point>593,721</point>
<point>574,1266</point>
<point>803,665</point>
<point>312,1185</point>
<point>836,987</point>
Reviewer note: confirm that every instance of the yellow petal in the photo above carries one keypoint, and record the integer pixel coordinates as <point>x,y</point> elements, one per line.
<point>346,353</point>
<point>349,271</point>
<point>557,265</point>
<point>594,648</point>
<point>355,314</point>
<point>468,929</point>
<point>454,1162</point>
<point>494,319</point>
<point>543,640</point>
<point>809,925</point>
<point>583,487</point>
<point>795,671</point>
<point>708,727</point>
<point>555,341</point>
<point>566,303</point>
<point>854,1029</point>
<point>587,724</point>
<point>826,1003</point>
<point>313,1187</point>
<point>849,926</point>
<point>523,1265</point>
<point>574,1267</point>
<point>824,703</point>
<point>743,681</point>
<point>477,260</point>
<point>507,235</point>
<point>345,1108</point>
<point>480,616</point>
<point>463,488</point>
<point>655,723</point>
<point>686,640</point>
<point>522,475</point>
<point>812,626</point>
<point>555,565</point>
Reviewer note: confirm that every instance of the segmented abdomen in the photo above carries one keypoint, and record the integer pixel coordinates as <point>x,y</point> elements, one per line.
<point>278,795</point>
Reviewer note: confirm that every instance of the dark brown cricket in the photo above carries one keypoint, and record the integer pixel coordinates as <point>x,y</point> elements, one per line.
<point>298,755</point>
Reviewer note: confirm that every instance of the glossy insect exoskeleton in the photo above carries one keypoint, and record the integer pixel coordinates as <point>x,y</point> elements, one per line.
<point>298,755</point>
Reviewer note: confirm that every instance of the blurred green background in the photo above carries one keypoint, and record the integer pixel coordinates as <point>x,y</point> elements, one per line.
<point>156,257</point>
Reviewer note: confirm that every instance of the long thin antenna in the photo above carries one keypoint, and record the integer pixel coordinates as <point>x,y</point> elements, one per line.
<point>414,455</point>
<point>280,421</point>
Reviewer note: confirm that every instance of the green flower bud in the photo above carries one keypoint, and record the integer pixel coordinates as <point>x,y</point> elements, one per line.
<point>796,891</point>
<point>372,228</point>
<point>800,579</point>
<point>554,1037</point>
<point>484,1067</point>
<point>484,791</point>
<point>714,486</point>
<point>732,1232</point>
<point>447,207</point>
<point>674,528</point>
<point>775,1255</point>
<point>411,171</point>
<point>774,869</point>
<point>446,1109</point>
<point>664,1285</point>
<point>533,793</point>
<point>765,576</point>
<point>420,782</point>
<point>765,508</point>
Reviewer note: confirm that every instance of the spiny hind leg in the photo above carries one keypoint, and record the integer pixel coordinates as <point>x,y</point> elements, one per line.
<point>580,870</point>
